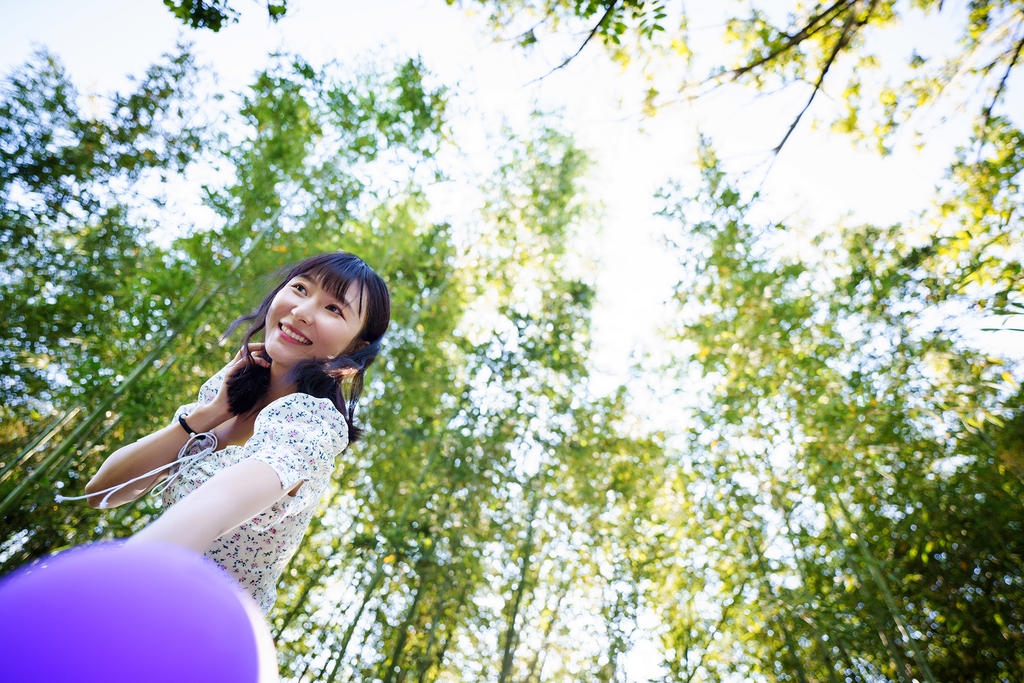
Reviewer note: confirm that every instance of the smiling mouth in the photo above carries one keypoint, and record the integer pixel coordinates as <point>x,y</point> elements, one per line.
<point>293,335</point>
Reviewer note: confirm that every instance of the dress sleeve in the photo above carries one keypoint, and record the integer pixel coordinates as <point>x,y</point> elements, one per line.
<point>207,393</point>
<point>299,436</point>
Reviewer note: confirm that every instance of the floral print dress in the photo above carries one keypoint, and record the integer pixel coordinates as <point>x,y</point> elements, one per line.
<point>299,436</point>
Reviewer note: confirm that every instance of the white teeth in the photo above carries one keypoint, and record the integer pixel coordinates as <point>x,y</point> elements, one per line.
<point>288,333</point>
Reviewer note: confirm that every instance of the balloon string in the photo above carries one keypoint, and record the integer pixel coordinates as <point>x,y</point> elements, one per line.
<point>208,441</point>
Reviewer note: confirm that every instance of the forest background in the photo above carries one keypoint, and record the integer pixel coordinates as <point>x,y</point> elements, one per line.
<point>706,349</point>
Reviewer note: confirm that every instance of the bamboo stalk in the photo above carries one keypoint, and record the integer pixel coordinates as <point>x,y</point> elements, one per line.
<point>787,636</point>
<point>510,635</point>
<point>883,587</point>
<point>39,441</point>
<point>563,590</point>
<point>403,631</point>
<point>425,668</point>
<point>371,586</point>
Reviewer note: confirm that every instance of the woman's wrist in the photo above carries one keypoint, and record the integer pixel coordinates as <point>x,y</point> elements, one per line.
<point>205,417</point>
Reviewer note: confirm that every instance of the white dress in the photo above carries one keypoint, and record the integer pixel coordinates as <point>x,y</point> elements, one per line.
<point>299,436</point>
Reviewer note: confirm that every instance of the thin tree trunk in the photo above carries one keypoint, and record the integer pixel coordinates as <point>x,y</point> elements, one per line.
<point>510,631</point>
<point>313,580</point>
<point>900,665</point>
<point>790,643</point>
<point>847,658</point>
<point>890,601</point>
<point>563,590</point>
<point>718,626</point>
<point>403,632</point>
<point>39,441</point>
<point>439,660</point>
<point>371,586</point>
<point>829,662</point>
<point>801,563</point>
<point>297,605</point>
<point>431,635</point>
<point>367,634</point>
<point>305,669</point>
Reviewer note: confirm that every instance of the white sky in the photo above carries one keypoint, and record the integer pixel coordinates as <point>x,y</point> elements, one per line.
<point>819,180</point>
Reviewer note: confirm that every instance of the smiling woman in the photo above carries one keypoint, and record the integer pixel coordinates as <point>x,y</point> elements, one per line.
<point>250,459</point>
<point>337,304</point>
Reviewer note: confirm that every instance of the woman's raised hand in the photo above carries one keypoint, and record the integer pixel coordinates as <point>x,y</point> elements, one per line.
<point>256,352</point>
<point>256,355</point>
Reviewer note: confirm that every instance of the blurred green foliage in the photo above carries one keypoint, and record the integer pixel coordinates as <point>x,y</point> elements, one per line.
<point>880,89</point>
<point>215,14</point>
<point>853,474</point>
<point>490,467</point>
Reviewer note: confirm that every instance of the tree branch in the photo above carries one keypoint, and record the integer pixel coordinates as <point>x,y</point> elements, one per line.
<point>850,29</point>
<point>1002,83</point>
<point>813,26</point>
<point>590,36</point>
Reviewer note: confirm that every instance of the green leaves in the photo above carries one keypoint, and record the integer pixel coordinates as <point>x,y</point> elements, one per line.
<point>827,45</point>
<point>488,455</point>
<point>214,14</point>
<point>68,239</point>
<point>831,429</point>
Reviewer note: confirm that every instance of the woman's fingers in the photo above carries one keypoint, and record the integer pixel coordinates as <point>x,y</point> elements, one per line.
<point>258,355</point>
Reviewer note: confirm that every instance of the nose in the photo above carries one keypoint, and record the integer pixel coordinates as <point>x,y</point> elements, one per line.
<point>303,311</point>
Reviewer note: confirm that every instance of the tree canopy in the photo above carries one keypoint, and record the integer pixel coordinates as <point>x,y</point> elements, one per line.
<point>215,14</point>
<point>827,487</point>
<point>443,526</point>
<point>831,45</point>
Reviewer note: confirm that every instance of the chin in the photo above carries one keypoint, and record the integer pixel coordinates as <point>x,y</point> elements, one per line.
<point>286,354</point>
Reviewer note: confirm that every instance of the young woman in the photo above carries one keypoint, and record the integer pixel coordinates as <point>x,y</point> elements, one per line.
<point>249,461</point>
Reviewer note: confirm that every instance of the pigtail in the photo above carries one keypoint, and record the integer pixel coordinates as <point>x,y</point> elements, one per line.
<point>328,379</point>
<point>247,385</point>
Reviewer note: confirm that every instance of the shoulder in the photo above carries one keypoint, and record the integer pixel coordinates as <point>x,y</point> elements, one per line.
<point>300,413</point>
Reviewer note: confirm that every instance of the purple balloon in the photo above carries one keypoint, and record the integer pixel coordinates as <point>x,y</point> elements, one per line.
<point>138,612</point>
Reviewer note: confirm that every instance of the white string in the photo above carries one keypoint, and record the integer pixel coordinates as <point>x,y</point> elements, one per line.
<point>208,443</point>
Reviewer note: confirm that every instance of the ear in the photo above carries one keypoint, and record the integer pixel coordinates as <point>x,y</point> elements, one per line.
<point>347,372</point>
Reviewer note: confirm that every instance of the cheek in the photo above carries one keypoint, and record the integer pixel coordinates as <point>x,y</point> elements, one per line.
<point>279,307</point>
<point>339,338</point>
<point>273,310</point>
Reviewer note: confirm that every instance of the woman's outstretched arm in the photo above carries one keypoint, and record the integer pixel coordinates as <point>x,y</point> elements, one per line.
<point>146,454</point>
<point>161,447</point>
<point>227,499</point>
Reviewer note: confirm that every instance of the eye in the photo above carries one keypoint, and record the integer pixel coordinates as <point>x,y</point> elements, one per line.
<point>299,287</point>
<point>336,309</point>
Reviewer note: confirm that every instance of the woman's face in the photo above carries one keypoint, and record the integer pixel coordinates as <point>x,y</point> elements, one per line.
<point>305,321</point>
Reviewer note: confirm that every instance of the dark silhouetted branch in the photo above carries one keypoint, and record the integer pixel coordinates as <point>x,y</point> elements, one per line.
<point>850,28</point>
<point>590,36</point>
<point>1002,83</point>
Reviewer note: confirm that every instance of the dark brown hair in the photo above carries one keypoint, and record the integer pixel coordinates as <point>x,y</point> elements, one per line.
<point>324,378</point>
